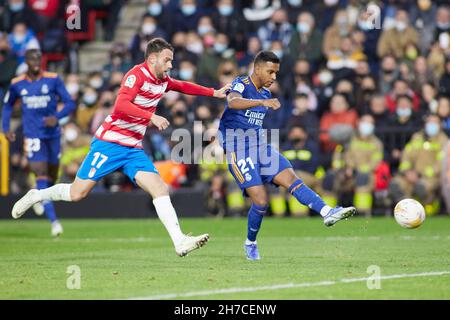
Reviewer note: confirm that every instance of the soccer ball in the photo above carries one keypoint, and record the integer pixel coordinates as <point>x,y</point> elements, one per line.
<point>409,213</point>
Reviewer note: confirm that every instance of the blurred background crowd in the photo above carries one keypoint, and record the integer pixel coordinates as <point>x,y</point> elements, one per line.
<point>365,111</point>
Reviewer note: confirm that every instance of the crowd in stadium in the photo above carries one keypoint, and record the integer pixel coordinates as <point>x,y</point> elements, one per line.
<point>365,103</point>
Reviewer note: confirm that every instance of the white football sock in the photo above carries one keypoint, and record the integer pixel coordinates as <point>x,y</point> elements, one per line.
<point>248,242</point>
<point>58,192</point>
<point>168,216</point>
<point>325,210</point>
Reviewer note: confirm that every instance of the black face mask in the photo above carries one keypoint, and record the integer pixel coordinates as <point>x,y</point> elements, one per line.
<point>180,114</point>
<point>296,140</point>
<point>107,104</point>
<point>368,91</point>
<point>388,72</point>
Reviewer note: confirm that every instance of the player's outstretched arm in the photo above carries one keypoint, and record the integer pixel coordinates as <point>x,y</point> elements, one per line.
<point>196,89</point>
<point>235,101</point>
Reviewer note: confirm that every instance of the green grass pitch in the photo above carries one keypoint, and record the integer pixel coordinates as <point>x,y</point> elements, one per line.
<point>121,259</point>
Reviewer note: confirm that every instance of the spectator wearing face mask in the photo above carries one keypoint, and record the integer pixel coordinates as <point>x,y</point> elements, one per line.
<point>394,41</point>
<point>371,35</point>
<point>212,57</point>
<point>14,12</point>
<point>306,40</point>
<point>423,17</point>
<point>277,29</point>
<point>105,103</point>
<point>389,72</point>
<point>119,60</point>
<point>363,156</point>
<point>420,166</point>
<point>228,19</point>
<point>187,71</point>
<point>187,16</point>
<point>286,61</point>
<point>74,149</point>
<point>402,124</point>
<point>160,12</point>
<point>259,11</point>
<point>401,88</point>
<point>341,28</point>
<point>87,108</point>
<point>381,116</point>
<point>364,93</point>
<point>147,31</point>
<point>20,40</point>
<point>73,86</point>
<point>181,41</point>
<point>442,21</point>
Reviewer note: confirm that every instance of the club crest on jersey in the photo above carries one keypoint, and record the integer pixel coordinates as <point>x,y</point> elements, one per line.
<point>248,177</point>
<point>239,87</point>
<point>92,172</point>
<point>130,81</point>
<point>44,89</point>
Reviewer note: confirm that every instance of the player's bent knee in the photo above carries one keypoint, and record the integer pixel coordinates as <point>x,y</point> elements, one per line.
<point>261,201</point>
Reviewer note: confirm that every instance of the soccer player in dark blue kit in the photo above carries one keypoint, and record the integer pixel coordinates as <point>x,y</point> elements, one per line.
<point>39,93</point>
<point>251,160</point>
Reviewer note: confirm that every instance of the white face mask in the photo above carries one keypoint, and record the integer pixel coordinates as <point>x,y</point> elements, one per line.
<point>365,129</point>
<point>444,40</point>
<point>261,4</point>
<point>96,83</point>
<point>325,77</point>
<point>186,74</point>
<point>303,27</point>
<point>18,38</point>
<point>195,47</point>
<point>148,28</point>
<point>203,29</point>
<point>188,9</point>
<point>330,3</point>
<point>73,88</point>
<point>155,9</point>
<point>70,134</point>
<point>400,25</point>
<point>90,99</point>
<point>295,3</point>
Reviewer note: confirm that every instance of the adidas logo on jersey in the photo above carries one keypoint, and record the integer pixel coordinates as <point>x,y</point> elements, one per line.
<point>23,92</point>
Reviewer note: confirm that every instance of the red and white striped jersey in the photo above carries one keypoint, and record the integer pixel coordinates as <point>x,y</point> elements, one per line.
<point>138,97</point>
<point>145,91</point>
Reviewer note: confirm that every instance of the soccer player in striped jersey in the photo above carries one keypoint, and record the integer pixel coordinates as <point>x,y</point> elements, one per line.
<point>118,143</point>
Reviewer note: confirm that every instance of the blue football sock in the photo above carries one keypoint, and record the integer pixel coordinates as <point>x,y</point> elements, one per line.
<point>306,196</point>
<point>255,216</point>
<point>48,205</point>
